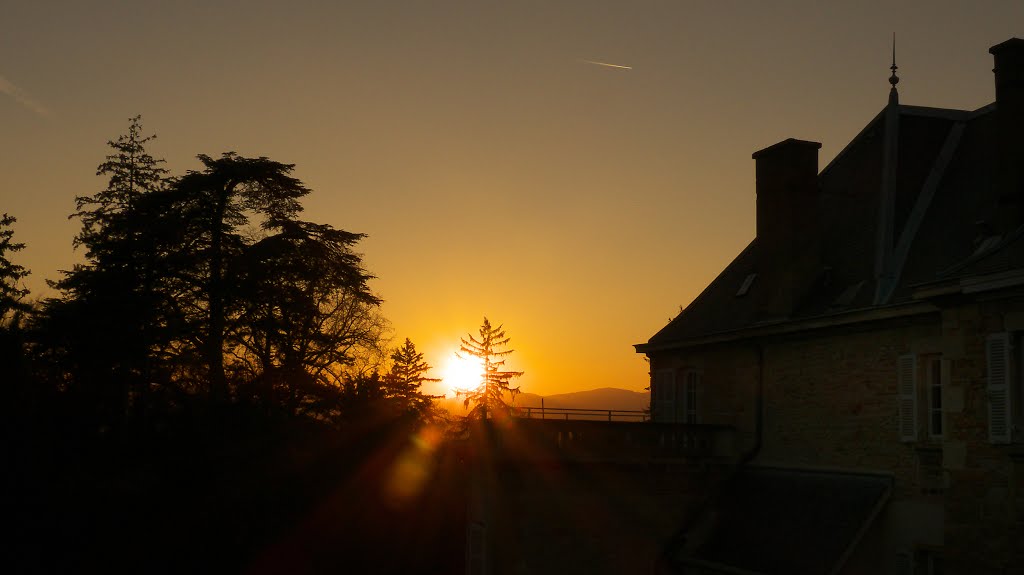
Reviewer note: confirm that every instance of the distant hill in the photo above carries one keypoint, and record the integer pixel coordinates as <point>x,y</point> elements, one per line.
<point>603,398</point>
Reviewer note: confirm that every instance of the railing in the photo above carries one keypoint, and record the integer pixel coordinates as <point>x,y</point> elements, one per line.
<point>568,413</point>
<point>556,436</point>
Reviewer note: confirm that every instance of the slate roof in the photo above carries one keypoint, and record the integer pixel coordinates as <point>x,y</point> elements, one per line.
<point>944,202</point>
<point>816,518</point>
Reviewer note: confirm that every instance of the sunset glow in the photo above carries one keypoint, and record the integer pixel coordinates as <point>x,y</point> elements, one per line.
<point>603,164</point>
<point>461,373</point>
<point>512,287</point>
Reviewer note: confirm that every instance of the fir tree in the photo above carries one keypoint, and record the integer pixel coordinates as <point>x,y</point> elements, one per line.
<point>109,324</point>
<point>406,378</point>
<point>495,384</point>
<point>130,171</point>
<point>11,274</point>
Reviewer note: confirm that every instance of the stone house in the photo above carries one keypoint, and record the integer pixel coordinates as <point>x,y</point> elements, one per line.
<point>867,347</point>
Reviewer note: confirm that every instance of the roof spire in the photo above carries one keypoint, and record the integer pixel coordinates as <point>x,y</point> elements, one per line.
<point>885,272</point>
<point>894,79</point>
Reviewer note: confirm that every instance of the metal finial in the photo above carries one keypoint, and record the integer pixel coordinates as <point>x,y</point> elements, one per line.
<point>894,79</point>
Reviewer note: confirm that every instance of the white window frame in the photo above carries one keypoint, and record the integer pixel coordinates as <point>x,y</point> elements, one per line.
<point>904,564</point>
<point>917,561</point>
<point>936,381</point>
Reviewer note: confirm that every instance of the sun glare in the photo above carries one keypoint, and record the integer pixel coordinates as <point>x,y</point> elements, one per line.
<point>461,373</point>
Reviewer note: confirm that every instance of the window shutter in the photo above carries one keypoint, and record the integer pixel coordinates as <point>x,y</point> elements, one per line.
<point>997,353</point>
<point>937,406</point>
<point>906,380</point>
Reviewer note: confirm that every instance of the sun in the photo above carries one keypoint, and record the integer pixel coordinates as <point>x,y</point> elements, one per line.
<point>462,373</point>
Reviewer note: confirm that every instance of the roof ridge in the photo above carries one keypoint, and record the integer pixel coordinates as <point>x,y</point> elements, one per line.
<point>924,200</point>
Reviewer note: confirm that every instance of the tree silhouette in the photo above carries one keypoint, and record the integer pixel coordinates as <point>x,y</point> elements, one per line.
<point>131,171</point>
<point>107,330</point>
<point>12,310</point>
<point>404,381</point>
<point>216,206</point>
<point>489,349</point>
<point>305,312</point>
<point>207,285</point>
<point>210,342</point>
<point>272,308</point>
<point>11,274</point>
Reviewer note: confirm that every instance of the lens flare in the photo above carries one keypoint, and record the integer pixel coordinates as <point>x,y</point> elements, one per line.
<point>413,466</point>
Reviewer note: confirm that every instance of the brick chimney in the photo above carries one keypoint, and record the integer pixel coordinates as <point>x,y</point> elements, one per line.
<point>788,221</point>
<point>787,194</point>
<point>1009,76</point>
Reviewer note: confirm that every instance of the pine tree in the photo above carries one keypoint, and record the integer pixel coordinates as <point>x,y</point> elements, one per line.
<point>405,379</point>
<point>131,171</point>
<point>109,323</point>
<point>15,385</point>
<point>495,384</point>
<point>11,274</point>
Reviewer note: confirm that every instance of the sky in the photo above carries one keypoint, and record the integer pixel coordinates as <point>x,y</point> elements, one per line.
<point>496,168</point>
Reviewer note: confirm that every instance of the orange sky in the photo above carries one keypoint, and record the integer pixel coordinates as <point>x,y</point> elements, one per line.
<point>496,170</point>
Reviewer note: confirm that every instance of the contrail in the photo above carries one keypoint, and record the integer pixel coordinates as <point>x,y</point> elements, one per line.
<point>608,65</point>
<point>7,87</point>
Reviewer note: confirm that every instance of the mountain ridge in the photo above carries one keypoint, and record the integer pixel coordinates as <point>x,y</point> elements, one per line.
<point>602,398</point>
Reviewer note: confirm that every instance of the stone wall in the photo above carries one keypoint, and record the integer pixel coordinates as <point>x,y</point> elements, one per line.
<point>727,393</point>
<point>982,500</point>
<point>830,401</point>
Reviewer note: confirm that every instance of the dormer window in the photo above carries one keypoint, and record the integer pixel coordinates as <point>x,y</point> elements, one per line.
<point>849,294</point>
<point>745,286</point>
<point>987,244</point>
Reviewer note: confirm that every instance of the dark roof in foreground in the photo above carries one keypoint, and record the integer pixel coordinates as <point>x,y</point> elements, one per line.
<point>773,520</point>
